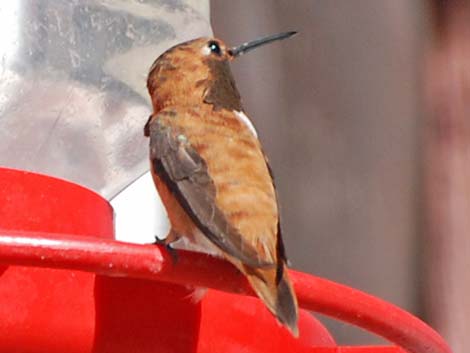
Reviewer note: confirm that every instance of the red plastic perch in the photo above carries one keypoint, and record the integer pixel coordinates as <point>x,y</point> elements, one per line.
<point>112,258</point>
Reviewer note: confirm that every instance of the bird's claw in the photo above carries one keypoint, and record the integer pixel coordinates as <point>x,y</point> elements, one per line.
<point>173,252</point>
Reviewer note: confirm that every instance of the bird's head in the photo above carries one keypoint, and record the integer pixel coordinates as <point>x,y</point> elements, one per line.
<point>198,71</point>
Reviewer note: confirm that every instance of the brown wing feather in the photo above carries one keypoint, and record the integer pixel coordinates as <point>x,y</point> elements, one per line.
<point>185,173</point>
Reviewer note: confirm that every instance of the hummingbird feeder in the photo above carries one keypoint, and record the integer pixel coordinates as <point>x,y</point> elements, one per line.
<point>66,283</point>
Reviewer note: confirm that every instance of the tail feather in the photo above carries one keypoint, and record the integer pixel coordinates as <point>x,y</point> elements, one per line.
<point>273,286</point>
<point>286,305</point>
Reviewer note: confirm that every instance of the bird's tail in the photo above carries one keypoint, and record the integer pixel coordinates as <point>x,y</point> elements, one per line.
<point>274,288</point>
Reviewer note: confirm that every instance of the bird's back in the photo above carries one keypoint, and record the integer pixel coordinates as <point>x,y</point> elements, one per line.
<point>234,182</point>
<point>237,166</point>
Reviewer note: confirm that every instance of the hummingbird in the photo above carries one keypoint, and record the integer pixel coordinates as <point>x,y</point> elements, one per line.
<point>210,170</point>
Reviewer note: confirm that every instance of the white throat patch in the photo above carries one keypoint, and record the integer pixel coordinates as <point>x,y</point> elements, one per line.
<point>246,120</point>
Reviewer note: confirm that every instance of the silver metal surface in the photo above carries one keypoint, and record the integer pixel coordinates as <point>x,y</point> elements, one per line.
<point>73,101</point>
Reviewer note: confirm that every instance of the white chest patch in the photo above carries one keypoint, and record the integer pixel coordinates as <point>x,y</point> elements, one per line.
<point>246,120</point>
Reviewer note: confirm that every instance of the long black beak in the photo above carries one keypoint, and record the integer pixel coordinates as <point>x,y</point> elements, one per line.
<point>246,47</point>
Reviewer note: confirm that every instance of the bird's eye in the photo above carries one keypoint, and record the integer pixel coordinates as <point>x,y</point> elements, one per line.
<point>214,47</point>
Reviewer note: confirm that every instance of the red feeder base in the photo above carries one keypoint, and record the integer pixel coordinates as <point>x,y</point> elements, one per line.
<point>66,285</point>
<point>53,310</point>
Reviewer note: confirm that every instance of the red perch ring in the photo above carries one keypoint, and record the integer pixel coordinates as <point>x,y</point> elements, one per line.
<point>65,284</point>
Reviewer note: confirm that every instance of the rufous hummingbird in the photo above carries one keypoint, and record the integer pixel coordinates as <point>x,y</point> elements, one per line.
<point>210,169</point>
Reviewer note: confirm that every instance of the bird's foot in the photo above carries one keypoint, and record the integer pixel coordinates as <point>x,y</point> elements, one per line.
<point>173,252</point>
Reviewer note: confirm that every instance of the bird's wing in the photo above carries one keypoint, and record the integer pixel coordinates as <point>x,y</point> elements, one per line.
<point>185,173</point>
